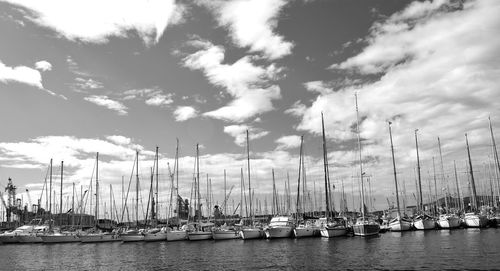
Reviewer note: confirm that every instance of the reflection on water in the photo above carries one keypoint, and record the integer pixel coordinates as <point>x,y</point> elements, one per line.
<point>456,249</point>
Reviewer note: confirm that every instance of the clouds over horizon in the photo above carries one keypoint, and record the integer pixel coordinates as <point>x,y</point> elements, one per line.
<point>105,101</point>
<point>110,18</point>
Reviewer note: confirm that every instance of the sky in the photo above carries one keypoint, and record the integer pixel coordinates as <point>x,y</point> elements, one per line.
<point>80,77</point>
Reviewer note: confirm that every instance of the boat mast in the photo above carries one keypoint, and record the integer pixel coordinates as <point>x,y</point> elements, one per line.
<point>248,169</point>
<point>360,161</point>
<point>421,202</point>
<point>137,188</point>
<point>395,175</point>
<point>176,168</point>
<point>495,154</point>
<point>198,181</point>
<point>297,208</point>
<point>241,193</point>
<point>97,190</point>
<point>50,196</point>
<point>156,202</point>
<point>325,168</point>
<point>443,178</point>
<point>460,204</point>
<point>60,206</point>
<point>435,187</point>
<point>474,195</point>
<point>275,197</point>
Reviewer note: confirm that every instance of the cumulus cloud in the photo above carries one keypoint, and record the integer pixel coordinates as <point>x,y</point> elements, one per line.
<point>118,139</point>
<point>252,24</point>
<point>437,68</point>
<point>239,133</point>
<point>288,142</point>
<point>43,66</point>
<point>105,101</point>
<point>149,19</point>
<point>183,113</point>
<point>159,100</point>
<point>248,84</point>
<point>152,96</point>
<point>21,74</point>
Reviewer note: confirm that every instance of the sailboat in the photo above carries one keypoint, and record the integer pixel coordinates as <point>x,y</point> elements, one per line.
<point>329,227</point>
<point>155,233</point>
<point>225,232</point>
<point>97,236</point>
<point>199,230</point>
<point>304,228</point>
<point>364,225</point>
<point>134,234</point>
<point>447,220</point>
<point>473,219</point>
<point>398,223</point>
<point>495,218</point>
<point>57,235</point>
<point>280,226</point>
<point>422,221</point>
<point>252,231</point>
<point>178,234</point>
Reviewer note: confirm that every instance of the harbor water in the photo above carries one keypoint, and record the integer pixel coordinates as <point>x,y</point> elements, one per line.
<point>423,250</point>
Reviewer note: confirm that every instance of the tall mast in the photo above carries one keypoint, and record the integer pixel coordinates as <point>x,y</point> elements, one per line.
<point>495,154</point>
<point>460,206</point>
<point>325,167</point>
<point>137,187</point>
<point>275,197</point>
<point>198,180</point>
<point>60,200</point>
<point>156,202</point>
<point>97,190</point>
<point>474,195</point>
<point>225,196</point>
<point>176,168</point>
<point>241,193</point>
<point>395,175</point>
<point>50,195</point>
<point>360,161</point>
<point>248,169</point>
<point>298,180</point>
<point>443,180</point>
<point>421,202</point>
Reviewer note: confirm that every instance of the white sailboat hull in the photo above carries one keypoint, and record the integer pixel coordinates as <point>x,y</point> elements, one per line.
<point>199,235</point>
<point>176,235</point>
<point>303,232</point>
<point>475,221</point>
<point>400,225</point>
<point>63,238</point>
<point>225,234</point>
<point>251,234</point>
<point>279,232</point>
<point>424,224</point>
<point>449,222</point>
<point>330,232</point>
<point>99,238</point>
<point>132,237</point>
<point>153,237</point>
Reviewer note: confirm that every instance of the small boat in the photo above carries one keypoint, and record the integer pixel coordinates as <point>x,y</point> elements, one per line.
<point>60,237</point>
<point>365,226</point>
<point>473,220</point>
<point>279,227</point>
<point>132,235</point>
<point>336,227</point>
<point>400,224</point>
<point>305,230</point>
<point>224,234</point>
<point>155,234</point>
<point>251,233</point>
<point>200,231</point>
<point>177,235</point>
<point>424,222</point>
<point>34,236</point>
<point>449,221</point>
<point>99,237</point>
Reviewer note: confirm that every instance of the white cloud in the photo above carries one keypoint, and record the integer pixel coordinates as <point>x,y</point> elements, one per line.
<point>104,101</point>
<point>95,21</point>
<point>82,83</point>
<point>21,74</point>
<point>183,113</point>
<point>159,100</point>
<point>239,133</point>
<point>252,24</point>
<point>436,69</point>
<point>118,139</point>
<point>288,142</point>
<point>43,66</point>
<point>248,84</point>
